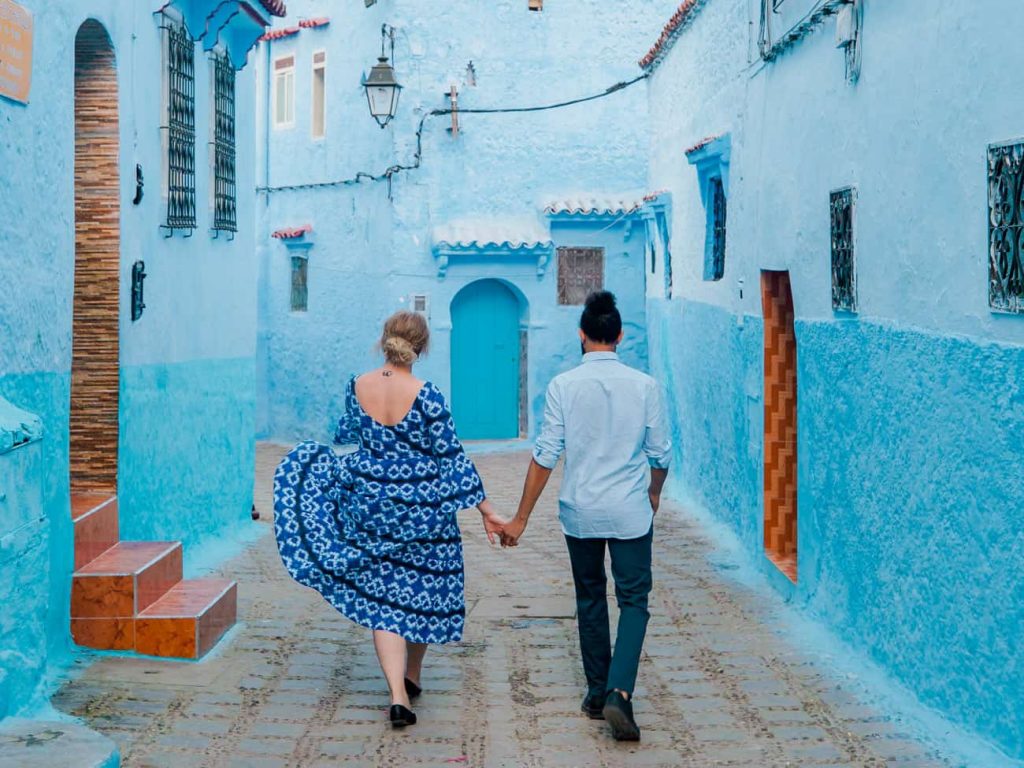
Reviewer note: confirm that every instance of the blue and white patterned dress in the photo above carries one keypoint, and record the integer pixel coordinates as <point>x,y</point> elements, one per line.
<point>375,531</point>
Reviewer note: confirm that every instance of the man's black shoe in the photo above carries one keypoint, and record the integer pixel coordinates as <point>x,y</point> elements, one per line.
<point>618,711</point>
<point>592,706</point>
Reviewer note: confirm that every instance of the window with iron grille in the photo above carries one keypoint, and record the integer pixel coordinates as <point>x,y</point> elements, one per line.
<point>225,218</point>
<point>300,284</point>
<point>580,273</point>
<point>1006,227</point>
<point>844,274</point>
<point>714,246</point>
<point>181,129</point>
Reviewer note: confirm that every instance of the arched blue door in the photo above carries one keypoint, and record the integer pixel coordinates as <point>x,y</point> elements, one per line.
<point>485,362</point>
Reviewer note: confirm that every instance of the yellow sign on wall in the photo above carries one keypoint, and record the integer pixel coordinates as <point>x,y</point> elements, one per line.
<point>15,51</point>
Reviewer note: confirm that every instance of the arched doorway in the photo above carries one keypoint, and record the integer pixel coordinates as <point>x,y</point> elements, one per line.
<point>486,361</point>
<point>95,378</point>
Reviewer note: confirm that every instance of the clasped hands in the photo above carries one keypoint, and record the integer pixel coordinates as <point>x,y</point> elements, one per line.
<point>497,528</point>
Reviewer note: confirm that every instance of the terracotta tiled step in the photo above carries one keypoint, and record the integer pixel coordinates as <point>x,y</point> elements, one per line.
<point>109,592</point>
<point>189,620</point>
<point>96,526</point>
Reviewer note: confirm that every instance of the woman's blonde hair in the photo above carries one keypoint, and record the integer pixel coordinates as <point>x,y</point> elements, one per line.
<point>406,337</point>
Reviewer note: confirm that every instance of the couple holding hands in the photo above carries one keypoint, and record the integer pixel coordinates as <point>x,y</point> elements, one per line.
<point>375,531</point>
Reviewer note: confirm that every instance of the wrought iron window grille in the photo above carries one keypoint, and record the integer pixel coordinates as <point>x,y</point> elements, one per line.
<point>580,273</point>
<point>180,180</point>
<point>300,284</point>
<point>714,267</point>
<point>225,198</point>
<point>842,203</point>
<point>1006,227</point>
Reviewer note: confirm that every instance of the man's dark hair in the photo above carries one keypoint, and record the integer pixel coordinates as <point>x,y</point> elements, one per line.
<point>601,321</point>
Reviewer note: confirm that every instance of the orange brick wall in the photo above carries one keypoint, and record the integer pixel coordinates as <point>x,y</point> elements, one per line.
<point>780,486</point>
<point>95,358</point>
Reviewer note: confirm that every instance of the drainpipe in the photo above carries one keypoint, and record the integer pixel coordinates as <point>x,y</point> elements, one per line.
<point>266,125</point>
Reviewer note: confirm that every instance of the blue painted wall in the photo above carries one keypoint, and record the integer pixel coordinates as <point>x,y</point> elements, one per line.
<point>372,253</point>
<point>911,497</point>
<point>187,367</point>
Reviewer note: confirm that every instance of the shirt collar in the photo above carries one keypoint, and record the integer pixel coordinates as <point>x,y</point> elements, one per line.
<point>593,356</point>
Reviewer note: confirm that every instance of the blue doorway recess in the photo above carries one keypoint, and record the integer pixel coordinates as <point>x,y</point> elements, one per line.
<point>485,361</point>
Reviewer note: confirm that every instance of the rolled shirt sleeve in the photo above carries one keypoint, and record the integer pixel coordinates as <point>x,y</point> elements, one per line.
<point>658,441</point>
<point>551,444</point>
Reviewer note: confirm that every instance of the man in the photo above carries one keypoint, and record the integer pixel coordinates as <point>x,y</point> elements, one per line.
<point>607,420</point>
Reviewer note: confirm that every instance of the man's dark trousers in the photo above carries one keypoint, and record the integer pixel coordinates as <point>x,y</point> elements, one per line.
<point>631,570</point>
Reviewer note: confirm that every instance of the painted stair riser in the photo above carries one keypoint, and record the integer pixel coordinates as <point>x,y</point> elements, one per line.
<point>105,589</point>
<point>188,636</point>
<point>96,531</point>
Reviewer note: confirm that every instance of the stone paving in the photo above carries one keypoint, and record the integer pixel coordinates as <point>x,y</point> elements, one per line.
<point>298,685</point>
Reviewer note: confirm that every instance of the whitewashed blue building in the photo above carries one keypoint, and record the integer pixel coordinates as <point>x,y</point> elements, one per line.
<point>844,339</point>
<point>127,311</point>
<point>495,225</point>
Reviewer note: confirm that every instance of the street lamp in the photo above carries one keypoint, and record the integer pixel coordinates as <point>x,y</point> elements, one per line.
<point>382,89</point>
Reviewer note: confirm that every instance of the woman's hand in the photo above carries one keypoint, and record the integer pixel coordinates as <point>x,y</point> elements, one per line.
<point>494,524</point>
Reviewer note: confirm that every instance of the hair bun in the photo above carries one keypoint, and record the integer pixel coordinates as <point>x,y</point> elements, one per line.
<point>399,350</point>
<point>601,303</point>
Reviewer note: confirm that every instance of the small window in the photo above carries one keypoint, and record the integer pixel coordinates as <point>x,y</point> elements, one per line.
<point>319,119</point>
<point>844,276</point>
<point>580,273</point>
<point>1006,227</point>
<point>714,248</point>
<point>420,304</point>
<point>536,5</point>
<point>225,218</point>
<point>300,286</point>
<point>180,128</point>
<point>284,92</point>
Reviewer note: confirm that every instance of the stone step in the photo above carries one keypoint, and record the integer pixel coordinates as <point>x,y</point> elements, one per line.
<point>45,744</point>
<point>189,620</point>
<point>96,525</point>
<point>111,590</point>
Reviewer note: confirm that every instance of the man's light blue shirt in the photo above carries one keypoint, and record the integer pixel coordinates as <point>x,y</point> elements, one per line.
<point>607,419</point>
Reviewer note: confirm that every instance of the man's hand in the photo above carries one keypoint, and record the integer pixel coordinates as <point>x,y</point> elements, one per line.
<point>513,531</point>
<point>658,477</point>
<point>655,500</point>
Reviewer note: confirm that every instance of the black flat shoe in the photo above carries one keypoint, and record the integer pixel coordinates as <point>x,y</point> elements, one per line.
<point>618,711</point>
<point>411,689</point>
<point>592,707</point>
<point>402,716</point>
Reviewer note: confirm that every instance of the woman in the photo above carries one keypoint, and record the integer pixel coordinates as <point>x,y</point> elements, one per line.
<point>375,531</point>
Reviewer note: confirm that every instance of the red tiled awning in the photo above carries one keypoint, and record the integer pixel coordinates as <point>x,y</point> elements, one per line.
<point>323,21</point>
<point>290,233</point>
<point>679,19</point>
<point>278,34</point>
<point>701,144</point>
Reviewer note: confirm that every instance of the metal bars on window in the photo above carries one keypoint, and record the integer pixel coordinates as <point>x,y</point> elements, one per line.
<point>300,284</point>
<point>580,273</point>
<point>1006,227</point>
<point>844,274</point>
<point>181,129</point>
<point>715,267</point>
<point>225,217</point>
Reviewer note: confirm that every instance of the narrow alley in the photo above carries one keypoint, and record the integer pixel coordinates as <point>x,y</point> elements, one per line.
<point>296,684</point>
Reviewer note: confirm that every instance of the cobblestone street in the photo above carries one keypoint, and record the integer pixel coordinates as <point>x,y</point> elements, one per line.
<point>298,685</point>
